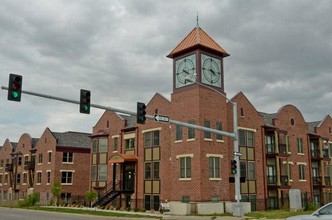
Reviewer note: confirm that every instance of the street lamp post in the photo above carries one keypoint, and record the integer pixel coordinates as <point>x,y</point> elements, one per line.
<point>237,209</point>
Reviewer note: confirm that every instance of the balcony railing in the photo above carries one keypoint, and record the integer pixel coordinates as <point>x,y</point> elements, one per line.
<point>316,181</point>
<point>29,165</point>
<point>271,150</point>
<point>315,154</point>
<point>328,181</point>
<point>272,181</point>
<point>9,167</point>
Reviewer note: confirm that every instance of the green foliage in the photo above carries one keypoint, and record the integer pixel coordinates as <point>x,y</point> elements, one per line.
<point>311,206</point>
<point>56,190</point>
<point>90,196</point>
<point>31,200</point>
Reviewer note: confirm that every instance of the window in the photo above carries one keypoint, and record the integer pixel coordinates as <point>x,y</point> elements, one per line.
<point>94,173</point>
<point>243,169</point>
<point>301,172</point>
<point>19,161</point>
<point>246,138</point>
<point>147,171</point>
<point>25,178</point>
<point>115,144</point>
<point>67,157</point>
<point>241,112</point>
<point>185,167</point>
<point>94,146</point>
<point>251,170</point>
<point>178,133</point>
<point>129,143</point>
<point>103,145</point>
<point>49,157</point>
<point>40,158</point>
<point>0,179</point>
<point>191,131</point>
<point>147,202</point>
<point>214,167</point>
<point>207,134</point>
<point>288,170</point>
<point>219,128</point>
<point>39,176</point>
<point>66,197</point>
<point>1,163</point>
<point>151,139</point>
<point>299,145</point>
<point>48,177</point>
<point>156,166</point>
<point>18,178</point>
<point>6,179</point>
<point>102,172</point>
<point>67,177</point>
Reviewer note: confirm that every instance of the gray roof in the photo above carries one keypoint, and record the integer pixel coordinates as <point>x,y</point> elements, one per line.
<point>268,118</point>
<point>72,139</point>
<point>312,126</point>
<point>130,121</point>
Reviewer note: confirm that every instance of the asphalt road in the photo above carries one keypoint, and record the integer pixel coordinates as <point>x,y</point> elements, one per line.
<point>22,214</point>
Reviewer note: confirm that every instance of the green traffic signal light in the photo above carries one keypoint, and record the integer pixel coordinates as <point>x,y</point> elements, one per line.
<point>233,167</point>
<point>140,116</point>
<point>85,99</point>
<point>14,87</point>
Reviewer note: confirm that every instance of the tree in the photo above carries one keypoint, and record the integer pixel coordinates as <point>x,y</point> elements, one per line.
<point>90,196</point>
<point>56,190</point>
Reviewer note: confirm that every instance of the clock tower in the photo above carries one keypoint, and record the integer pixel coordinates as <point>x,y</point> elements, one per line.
<point>198,58</point>
<point>198,159</point>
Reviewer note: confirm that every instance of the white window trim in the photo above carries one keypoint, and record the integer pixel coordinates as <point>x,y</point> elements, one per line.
<point>72,178</point>
<point>215,155</point>
<point>247,129</point>
<point>115,136</point>
<point>184,155</point>
<point>128,136</point>
<point>152,129</point>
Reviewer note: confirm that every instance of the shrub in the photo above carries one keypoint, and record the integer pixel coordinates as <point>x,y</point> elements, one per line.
<point>31,200</point>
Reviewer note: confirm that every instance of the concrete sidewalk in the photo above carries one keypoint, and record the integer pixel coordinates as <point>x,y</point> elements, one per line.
<point>174,217</point>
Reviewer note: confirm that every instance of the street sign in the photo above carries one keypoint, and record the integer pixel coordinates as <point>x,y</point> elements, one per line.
<point>161,118</point>
<point>239,154</point>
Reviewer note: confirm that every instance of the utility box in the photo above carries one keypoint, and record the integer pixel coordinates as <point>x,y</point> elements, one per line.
<point>295,202</point>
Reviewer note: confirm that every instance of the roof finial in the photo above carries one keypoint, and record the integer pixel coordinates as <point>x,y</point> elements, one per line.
<point>197,24</point>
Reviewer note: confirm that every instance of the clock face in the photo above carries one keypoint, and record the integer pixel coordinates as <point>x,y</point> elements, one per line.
<point>185,71</point>
<point>211,70</point>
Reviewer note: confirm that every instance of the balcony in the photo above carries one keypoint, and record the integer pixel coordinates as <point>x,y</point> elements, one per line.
<point>29,165</point>
<point>318,183</point>
<point>271,150</point>
<point>272,182</point>
<point>316,154</point>
<point>9,167</point>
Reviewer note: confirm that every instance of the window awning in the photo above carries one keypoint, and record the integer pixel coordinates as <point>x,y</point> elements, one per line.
<point>121,158</point>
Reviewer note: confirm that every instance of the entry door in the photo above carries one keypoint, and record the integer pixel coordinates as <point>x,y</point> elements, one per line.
<point>129,177</point>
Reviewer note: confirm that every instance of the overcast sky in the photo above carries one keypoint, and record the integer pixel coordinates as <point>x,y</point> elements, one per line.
<point>280,53</point>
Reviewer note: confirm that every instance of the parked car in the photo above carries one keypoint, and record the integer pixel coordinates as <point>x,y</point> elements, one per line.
<point>324,212</point>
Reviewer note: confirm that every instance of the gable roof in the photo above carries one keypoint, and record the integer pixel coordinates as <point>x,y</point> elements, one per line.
<point>197,38</point>
<point>72,139</point>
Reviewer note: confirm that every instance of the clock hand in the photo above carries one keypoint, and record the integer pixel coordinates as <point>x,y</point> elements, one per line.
<point>186,72</point>
<point>211,70</point>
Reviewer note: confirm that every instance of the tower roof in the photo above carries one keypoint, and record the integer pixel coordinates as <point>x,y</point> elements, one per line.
<point>197,38</point>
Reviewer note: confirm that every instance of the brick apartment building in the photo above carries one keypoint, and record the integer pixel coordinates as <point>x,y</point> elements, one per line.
<point>142,165</point>
<point>155,162</point>
<point>32,165</point>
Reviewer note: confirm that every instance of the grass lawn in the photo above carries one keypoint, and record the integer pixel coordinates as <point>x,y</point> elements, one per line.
<point>92,212</point>
<point>275,214</point>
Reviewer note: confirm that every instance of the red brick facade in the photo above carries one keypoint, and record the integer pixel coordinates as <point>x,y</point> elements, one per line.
<point>154,162</point>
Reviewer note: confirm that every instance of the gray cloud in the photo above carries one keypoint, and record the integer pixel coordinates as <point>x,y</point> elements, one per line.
<point>280,53</point>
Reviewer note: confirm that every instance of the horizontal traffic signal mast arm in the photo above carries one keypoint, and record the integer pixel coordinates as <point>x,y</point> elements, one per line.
<point>224,133</point>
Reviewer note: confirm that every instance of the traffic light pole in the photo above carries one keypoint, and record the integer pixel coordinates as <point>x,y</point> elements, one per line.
<point>238,210</point>
<point>152,117</point>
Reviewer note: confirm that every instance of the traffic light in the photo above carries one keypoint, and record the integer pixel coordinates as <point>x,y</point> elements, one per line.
<point>14,87</point>
<point>85,99</point>
<point>233,167</point>
<point>140,117</point>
